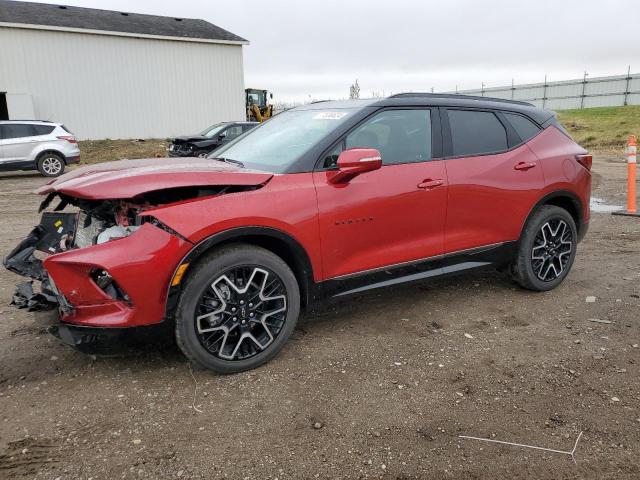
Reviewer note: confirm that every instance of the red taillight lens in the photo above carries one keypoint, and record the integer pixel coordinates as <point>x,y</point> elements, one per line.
<point>68,138</point>
<point>585,160</point>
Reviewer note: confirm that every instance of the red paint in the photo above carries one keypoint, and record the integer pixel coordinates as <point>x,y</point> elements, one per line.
<point>394,214</point>
<point>141,264</point>
<point>128,178</point>
<point>381,218</point>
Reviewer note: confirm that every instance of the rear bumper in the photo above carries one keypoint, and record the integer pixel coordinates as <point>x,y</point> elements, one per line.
<point>141,265</point>
<point>73,159</point>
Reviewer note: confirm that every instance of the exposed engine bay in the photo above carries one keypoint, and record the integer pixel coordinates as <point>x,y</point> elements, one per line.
<point>92,222</point>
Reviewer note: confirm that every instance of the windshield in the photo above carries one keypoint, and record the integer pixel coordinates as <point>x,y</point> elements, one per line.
<point>213,130</point>
<point>277,143</point>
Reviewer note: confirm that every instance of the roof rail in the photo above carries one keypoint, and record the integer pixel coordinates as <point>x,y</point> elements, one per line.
<point>456,95</point>
<point>28,120</point>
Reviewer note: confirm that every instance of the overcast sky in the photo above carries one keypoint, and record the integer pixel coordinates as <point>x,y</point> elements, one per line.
<point>302,49</point>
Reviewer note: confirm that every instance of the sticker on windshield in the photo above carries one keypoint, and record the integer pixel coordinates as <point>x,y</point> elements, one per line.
<point>329,115</point>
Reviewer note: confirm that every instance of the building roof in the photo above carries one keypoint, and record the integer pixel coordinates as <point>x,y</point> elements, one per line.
<point>68,18</point>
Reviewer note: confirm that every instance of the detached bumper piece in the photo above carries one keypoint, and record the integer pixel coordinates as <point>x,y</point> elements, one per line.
<point>26,297</point>
<point>52,235</point>
<point>113,340</point>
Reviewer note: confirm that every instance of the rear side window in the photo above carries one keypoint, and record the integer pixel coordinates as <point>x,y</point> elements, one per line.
<point>401,136</point>
<point>43,129</point>
<point>475,133</point>
<point>17,130</point>
<point>524,127</point>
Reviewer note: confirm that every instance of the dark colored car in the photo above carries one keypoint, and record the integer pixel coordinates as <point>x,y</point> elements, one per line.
<point>323,201</point>
<point>205,142</point>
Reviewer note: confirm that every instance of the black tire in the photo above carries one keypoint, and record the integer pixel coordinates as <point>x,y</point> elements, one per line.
<point>543,258</point>
<point>51,164</point>
<point>198,298</point>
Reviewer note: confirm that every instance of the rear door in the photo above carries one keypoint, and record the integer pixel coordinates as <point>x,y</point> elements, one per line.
<point>18,141</point>
<point>494,179</point>
<point>392,215</point>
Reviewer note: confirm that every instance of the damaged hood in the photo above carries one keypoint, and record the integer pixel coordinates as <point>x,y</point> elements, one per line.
<point>130,178</point>
<point>192,138</point>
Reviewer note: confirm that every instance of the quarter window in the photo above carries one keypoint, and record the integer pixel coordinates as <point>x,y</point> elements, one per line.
<point>524,127</point>
<point>401,136</point>
<point>475,133</point>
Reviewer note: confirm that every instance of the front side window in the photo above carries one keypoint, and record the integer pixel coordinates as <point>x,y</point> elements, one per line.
<point>277,143</point>
<point>213,130</point>
<point>476,133</point>
<point>17,130</point>
<point>401,136</point>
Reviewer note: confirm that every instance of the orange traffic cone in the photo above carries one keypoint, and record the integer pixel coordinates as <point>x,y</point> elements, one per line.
<point>631,179</point>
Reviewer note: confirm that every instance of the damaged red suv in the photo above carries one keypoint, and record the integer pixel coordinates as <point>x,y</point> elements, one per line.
<point>322,201</point>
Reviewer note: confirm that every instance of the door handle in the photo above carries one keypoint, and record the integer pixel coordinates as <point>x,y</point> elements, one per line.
<point>428,184</point>
<point>524,165</point>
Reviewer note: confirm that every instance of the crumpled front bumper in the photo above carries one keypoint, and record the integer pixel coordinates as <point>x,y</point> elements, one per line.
<point>141,265</point>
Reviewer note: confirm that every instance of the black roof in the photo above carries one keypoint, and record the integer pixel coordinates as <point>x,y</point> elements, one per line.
<point>437,100</point>
<point>111,21</point>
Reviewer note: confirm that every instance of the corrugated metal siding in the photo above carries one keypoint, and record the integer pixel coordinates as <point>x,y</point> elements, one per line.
<point>117,87</point>
<point>596,92</point>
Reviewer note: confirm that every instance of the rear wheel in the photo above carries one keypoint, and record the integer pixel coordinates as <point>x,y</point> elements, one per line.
<point>237,310</point>
<point>546,250</point>
<point>51,165</point>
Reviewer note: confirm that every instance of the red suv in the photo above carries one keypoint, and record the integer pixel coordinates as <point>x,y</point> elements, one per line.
<point>325,200</point>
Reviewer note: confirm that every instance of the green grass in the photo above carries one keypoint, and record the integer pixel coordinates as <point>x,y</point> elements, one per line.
<point>602,129</point>
<point>96,151</point>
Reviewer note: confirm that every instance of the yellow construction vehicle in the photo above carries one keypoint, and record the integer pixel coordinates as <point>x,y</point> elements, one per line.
<point>258,108</point>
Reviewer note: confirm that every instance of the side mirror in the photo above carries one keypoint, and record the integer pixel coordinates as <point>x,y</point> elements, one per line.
<point>222,135</point>
<point>355,161</point>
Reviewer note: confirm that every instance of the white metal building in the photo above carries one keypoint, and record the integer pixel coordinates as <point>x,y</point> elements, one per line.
<point>108,74</point>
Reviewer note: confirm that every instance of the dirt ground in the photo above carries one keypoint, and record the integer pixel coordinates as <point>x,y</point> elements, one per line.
<point>391,379</point>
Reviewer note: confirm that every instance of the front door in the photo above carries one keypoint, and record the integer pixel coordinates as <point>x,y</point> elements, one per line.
<point>389,216</point>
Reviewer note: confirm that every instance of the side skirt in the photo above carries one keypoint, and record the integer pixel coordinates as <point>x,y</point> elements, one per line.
<point>489,256</point>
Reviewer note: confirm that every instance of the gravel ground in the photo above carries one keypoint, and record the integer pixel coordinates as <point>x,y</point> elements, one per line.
<point>378,386</point>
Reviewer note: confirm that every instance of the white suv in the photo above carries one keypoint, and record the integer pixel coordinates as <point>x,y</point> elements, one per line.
<point>37,145</point>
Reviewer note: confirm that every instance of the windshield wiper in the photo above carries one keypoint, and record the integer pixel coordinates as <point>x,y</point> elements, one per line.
<point>229,160</point>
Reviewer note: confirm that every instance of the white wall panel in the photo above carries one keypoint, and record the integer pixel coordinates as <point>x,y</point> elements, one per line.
<point>567,94</point>
<point>118,87</point>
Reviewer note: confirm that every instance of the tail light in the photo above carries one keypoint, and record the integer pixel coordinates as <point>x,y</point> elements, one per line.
<point>585,160</point>
<point>68,138</point>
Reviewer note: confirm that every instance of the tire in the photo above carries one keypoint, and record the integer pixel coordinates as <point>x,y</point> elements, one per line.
<point>208,302</point>
<point>546,250</point>
<point>51,165</point>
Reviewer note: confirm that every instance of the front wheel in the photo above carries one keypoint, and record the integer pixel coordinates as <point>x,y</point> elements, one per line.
<point>237,310</point>
<point>546,250</point>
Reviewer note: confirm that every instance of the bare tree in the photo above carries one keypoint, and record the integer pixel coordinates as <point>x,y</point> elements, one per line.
<point>354,91</point>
